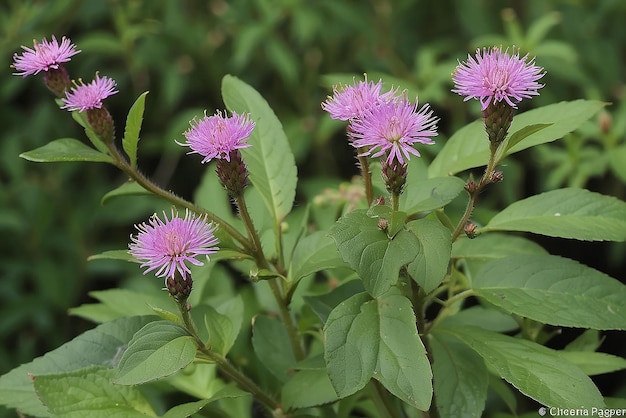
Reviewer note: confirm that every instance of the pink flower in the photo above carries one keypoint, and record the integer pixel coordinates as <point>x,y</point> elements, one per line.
<point>217,136</point>
<point>166,246</point>
<point>495,75</point>
<point>45,56</point>
<point>89,96</point>
<point>394,127</point>
<point>350,102</point>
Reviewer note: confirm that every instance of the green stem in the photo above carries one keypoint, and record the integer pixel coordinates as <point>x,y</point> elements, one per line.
<point>484,180</point>
<point>395,202</point>
<point>367,179</point>
<point>292,332</point>
<point>224,365</point>
<point>143,181</point>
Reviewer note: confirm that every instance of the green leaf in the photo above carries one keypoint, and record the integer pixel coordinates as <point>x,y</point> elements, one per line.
<point>102,345</point>
<point>65,149</point>
<point>124,302</point>
<point>111,255</point>
<point>494,245</point>
<point>132,129</point>
<point>313,253</point>
<point>469,146</point>
<point>270,161</point>
<point>367,338</point>
<point>323,305</point>
<point>429,194</point>
<point>553,290</point>
<point>592,363</point>
<point>223,324</point>
<point>367,249</point>
<point>517,137</point>
<point>129,188</point>
<point>460,378</point>
<point>431,263</point>
<point>308,388</point>
<point>81,119</point>
<point>159,349</point>
<point>188,409</point>
<point>487,318</point>
<point>537,371</point>
<point>90,393</point>
<point>566,213</point>
<point>272,347</point>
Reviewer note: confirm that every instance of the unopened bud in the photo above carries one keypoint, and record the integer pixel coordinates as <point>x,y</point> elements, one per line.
<point>380,201</point>
<point>470,230</point>
<point>605,122</point>
<point>496,176</point>
<point>383,224</point>
<point>471,186</point>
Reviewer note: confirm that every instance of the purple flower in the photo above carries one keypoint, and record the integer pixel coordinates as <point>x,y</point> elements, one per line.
<point>217,136</point>
<point>394,127</point>
<point>350,102</point>
<point>495,75</point>
<point>89,96</point>
<point>45,56</point>
<point>166,246</point>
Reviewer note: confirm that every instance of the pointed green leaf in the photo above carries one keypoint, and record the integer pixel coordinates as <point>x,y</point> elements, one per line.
<point>188,409</point>
<point>129,188</point>
<point>308,388</point>
<point>494,245</point>
<point>223,324</point>
<point>271,345</point>
<point>431,263</point>
<point>63,150</point>
<point>460,378</point>
<point>112,255</point>
<point>323,305</point>
<point>367,249</point>
<point>469,146</point>
<point>566,213</point>
<point>313,253</point>
<point>537,371</point>
<point>592,363</point>
<point>90,393</point>
<point>428,194</point>
<point>159,349</point>
<point>553,290</point>
<point>269,158</point>
<point>367,338</point>
<point>132,129</point>
<point>102,345</point>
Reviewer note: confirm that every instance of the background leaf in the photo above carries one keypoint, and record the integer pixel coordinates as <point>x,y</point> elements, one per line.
<point>566,213</point>
<point>553,290</point>
<point>90,393</point>
<point>538,372</point>
<point>592,363</point>
<point>159,349</point>
<point>271,345</point>
<point>270,162</point>
<point>469,146</point>
<point>309,387</point>
<point>132,129</point>
<point>64,150</point>
<point>313,253</point>
<point>102,345</point>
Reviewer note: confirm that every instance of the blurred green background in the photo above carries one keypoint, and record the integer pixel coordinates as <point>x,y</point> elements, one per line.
<point>51,218</point>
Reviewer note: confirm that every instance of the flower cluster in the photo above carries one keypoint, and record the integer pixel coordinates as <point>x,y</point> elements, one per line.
<point>494,76</point>
<point>386,124</point>
<point>167,245</point>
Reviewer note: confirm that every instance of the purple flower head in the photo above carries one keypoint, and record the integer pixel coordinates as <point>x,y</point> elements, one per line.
<point>351,102</point>
<point>394,127</point>
<point>217,136</point>
<point>167,246</point>
<point>89,96</point>
<point>44,56</point>
<point>495,75</point>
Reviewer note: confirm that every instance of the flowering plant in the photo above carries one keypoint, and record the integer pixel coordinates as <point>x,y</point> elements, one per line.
<point>397,304</point>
